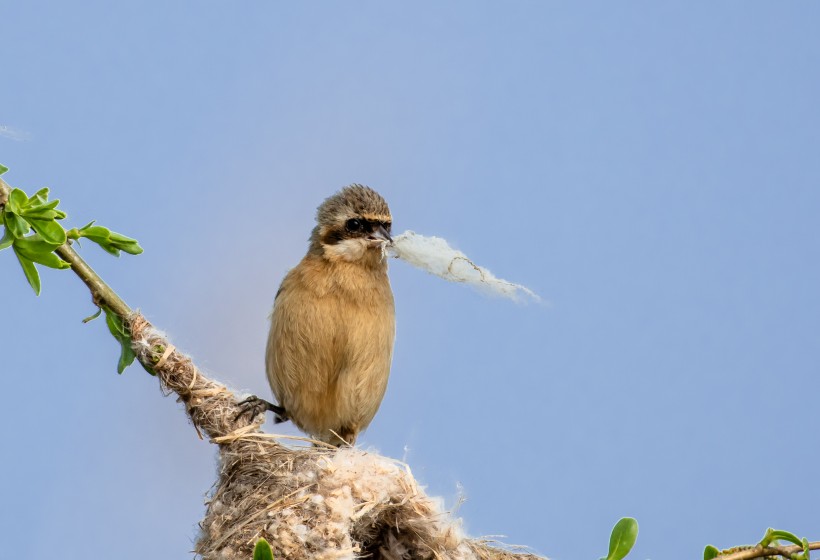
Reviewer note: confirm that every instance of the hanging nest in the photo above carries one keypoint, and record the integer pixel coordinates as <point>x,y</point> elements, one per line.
<point>307,502</point>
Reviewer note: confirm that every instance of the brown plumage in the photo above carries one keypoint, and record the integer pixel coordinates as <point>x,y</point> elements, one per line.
<point>333,322</point>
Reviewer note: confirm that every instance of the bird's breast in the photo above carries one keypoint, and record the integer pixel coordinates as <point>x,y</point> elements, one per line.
<point>331,345</point>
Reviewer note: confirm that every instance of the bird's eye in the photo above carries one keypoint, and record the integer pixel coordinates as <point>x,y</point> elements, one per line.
<point>386,226</point>
<point>353,225</point>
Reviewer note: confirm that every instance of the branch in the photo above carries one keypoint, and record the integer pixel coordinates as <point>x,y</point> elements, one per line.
<point>760,552</point>
<point>101,292</point>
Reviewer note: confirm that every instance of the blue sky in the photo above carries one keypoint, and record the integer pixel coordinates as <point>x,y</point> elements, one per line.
<point>651,169</point>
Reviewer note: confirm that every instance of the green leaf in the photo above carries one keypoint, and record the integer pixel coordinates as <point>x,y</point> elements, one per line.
<point>7,239</point>
<point>114,323</point>
<point>127,356</point>
<point>94,316</point>
<point>15,224</point>
<point>262,550</point>
<point>109,249</point>
<point>3,168</point>
<point>773,535</point>
<point>710,552</point>
<point>38,208</point>
<point>110,241</point>
<point>806,551</point>
<point>95,232</point>
<point>17,200</point>
<point>101,236</point>
<point>31,273</point>
<point>126,244</point>
<point>39,251</point>
<point>50,231</point>
<point>623,538</point>
<point>40,196</point>
<point>118,331</point>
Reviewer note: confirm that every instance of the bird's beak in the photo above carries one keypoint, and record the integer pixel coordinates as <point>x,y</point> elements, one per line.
<point>380,234</point>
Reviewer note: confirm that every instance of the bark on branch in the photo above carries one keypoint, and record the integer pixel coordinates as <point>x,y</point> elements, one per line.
<point>769,551</point>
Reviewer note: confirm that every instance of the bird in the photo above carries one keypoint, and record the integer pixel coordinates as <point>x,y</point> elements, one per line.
<point>333,325</point>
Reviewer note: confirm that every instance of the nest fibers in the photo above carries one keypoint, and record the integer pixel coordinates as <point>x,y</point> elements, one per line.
<point>435,255</point>
<point>308,503</point>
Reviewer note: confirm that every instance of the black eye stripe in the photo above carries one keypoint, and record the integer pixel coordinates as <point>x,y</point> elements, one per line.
<point>365,227</point>
<point>360,224</point>
<point>334,236</point>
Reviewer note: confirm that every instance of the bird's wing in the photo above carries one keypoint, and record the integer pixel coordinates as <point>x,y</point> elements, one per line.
<point>305,347</point>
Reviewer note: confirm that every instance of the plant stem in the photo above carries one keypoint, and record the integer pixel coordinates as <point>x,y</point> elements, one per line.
<point>101,292</point>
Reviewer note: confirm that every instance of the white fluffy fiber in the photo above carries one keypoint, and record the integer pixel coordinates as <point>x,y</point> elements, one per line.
<point>435,255</point>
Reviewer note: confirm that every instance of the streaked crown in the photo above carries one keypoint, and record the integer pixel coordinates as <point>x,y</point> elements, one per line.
<point>353,201</point>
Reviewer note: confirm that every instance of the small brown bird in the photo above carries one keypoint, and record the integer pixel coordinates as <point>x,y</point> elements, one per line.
<point>333,322</point>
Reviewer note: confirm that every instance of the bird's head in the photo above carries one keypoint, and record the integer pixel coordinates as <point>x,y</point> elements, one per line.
<point>353,225</point>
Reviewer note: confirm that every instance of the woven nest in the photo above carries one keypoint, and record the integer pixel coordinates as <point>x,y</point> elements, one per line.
<point>311,503</point>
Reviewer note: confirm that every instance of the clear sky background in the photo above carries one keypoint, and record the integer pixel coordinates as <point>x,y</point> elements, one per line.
<point>650,168</point>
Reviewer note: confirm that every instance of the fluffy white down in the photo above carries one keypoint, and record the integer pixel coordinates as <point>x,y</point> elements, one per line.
<point>435,255</point>
<point>356,483</point>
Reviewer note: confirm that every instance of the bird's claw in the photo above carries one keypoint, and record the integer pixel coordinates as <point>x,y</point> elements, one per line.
<point>253,406</point>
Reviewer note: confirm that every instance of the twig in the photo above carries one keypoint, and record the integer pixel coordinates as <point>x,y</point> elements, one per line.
<point>760,552</point>
<point>100,291</point>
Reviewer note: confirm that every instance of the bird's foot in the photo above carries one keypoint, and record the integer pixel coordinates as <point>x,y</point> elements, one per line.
<point>253,406</point>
